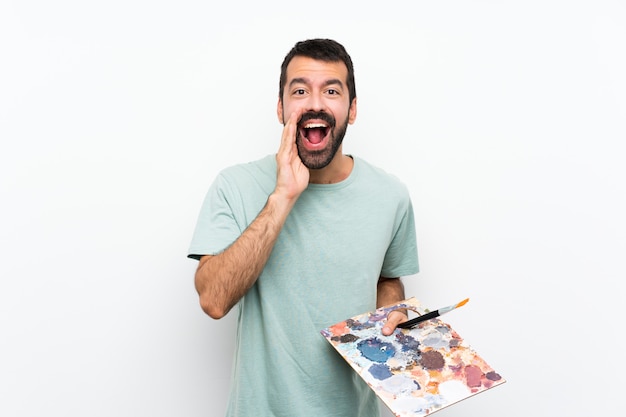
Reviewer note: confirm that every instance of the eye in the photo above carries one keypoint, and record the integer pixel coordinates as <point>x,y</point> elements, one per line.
<point>299,92</point>
<point>332,92</point>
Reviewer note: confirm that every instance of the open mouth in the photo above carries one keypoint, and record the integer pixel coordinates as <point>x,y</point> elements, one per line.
<point>314,132</point>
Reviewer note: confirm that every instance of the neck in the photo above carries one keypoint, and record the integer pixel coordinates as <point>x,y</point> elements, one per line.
<point>338,170</point>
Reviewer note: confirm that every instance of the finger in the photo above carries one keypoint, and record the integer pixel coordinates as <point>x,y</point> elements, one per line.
<point>289,133</point>
<point>393,319</point>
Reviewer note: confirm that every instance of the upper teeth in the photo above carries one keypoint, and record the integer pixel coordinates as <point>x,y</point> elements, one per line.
<point>314,125</point>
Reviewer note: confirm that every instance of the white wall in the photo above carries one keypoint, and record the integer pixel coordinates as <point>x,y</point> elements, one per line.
<point>505,119</point>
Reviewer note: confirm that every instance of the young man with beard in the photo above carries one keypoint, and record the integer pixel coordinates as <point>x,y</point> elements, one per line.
<point>299,241</point>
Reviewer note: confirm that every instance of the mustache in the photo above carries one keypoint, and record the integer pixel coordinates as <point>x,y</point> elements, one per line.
<point>319,115</point>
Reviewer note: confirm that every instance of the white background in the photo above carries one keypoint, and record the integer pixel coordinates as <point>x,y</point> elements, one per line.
<point>505,119</point>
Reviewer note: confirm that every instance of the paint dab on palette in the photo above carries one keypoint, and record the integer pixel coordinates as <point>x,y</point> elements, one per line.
<point>415,372</point>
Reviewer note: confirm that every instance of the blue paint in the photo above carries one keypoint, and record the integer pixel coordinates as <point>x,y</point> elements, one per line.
<point>376,350</point>
<point>380,371</point>
<point>357,325</point>
<point>409,343</point>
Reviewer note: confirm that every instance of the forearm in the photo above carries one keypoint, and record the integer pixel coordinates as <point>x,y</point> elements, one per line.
<point>389,291</point>
<point>222,280</point>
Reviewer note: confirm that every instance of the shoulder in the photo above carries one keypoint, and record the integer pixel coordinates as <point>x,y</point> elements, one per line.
<point>255,179</point>
<point>378,177</point>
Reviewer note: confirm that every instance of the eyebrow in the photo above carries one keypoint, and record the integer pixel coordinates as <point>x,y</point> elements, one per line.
<point>302,80</point>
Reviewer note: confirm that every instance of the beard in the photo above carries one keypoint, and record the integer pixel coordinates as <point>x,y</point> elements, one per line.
<point>321,158</point>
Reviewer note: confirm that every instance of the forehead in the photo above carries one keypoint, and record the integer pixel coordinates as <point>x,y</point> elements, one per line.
<point>313,70</point>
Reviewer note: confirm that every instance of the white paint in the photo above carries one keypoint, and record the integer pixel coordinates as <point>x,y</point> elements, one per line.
<point>453,390</point>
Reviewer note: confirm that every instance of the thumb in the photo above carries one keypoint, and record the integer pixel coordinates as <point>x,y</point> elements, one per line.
<point>394,318</point>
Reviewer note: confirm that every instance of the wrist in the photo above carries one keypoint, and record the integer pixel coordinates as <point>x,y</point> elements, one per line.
<point>403,311</point>
<point>280,204</point>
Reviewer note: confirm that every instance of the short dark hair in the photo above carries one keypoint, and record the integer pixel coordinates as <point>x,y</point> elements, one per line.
<point>326,50</point>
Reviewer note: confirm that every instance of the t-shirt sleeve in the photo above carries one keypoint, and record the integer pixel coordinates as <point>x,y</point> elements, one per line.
<point>216,228</point>
<point>401,257</point>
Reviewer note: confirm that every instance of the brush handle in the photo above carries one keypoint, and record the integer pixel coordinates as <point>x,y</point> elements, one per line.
<point>417,320</point>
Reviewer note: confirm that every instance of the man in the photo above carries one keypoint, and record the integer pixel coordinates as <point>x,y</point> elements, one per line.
<point>299,241</point>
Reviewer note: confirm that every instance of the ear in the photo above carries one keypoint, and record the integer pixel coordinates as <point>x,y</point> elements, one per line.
<point>279,112</point>
<point>352,113</point>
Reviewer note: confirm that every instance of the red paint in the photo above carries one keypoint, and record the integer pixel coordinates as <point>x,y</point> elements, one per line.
<point>473,376</point>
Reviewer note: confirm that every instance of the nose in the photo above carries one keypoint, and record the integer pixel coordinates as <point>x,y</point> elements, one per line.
<point>316,102</point>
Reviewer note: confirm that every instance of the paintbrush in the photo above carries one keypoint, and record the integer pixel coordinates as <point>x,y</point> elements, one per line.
<point>417,320</point>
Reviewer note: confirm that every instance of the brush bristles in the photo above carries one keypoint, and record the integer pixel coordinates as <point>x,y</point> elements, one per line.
<point>462,303</point>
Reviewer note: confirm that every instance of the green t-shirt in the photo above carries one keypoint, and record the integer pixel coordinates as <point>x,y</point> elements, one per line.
<point>336,242</point>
